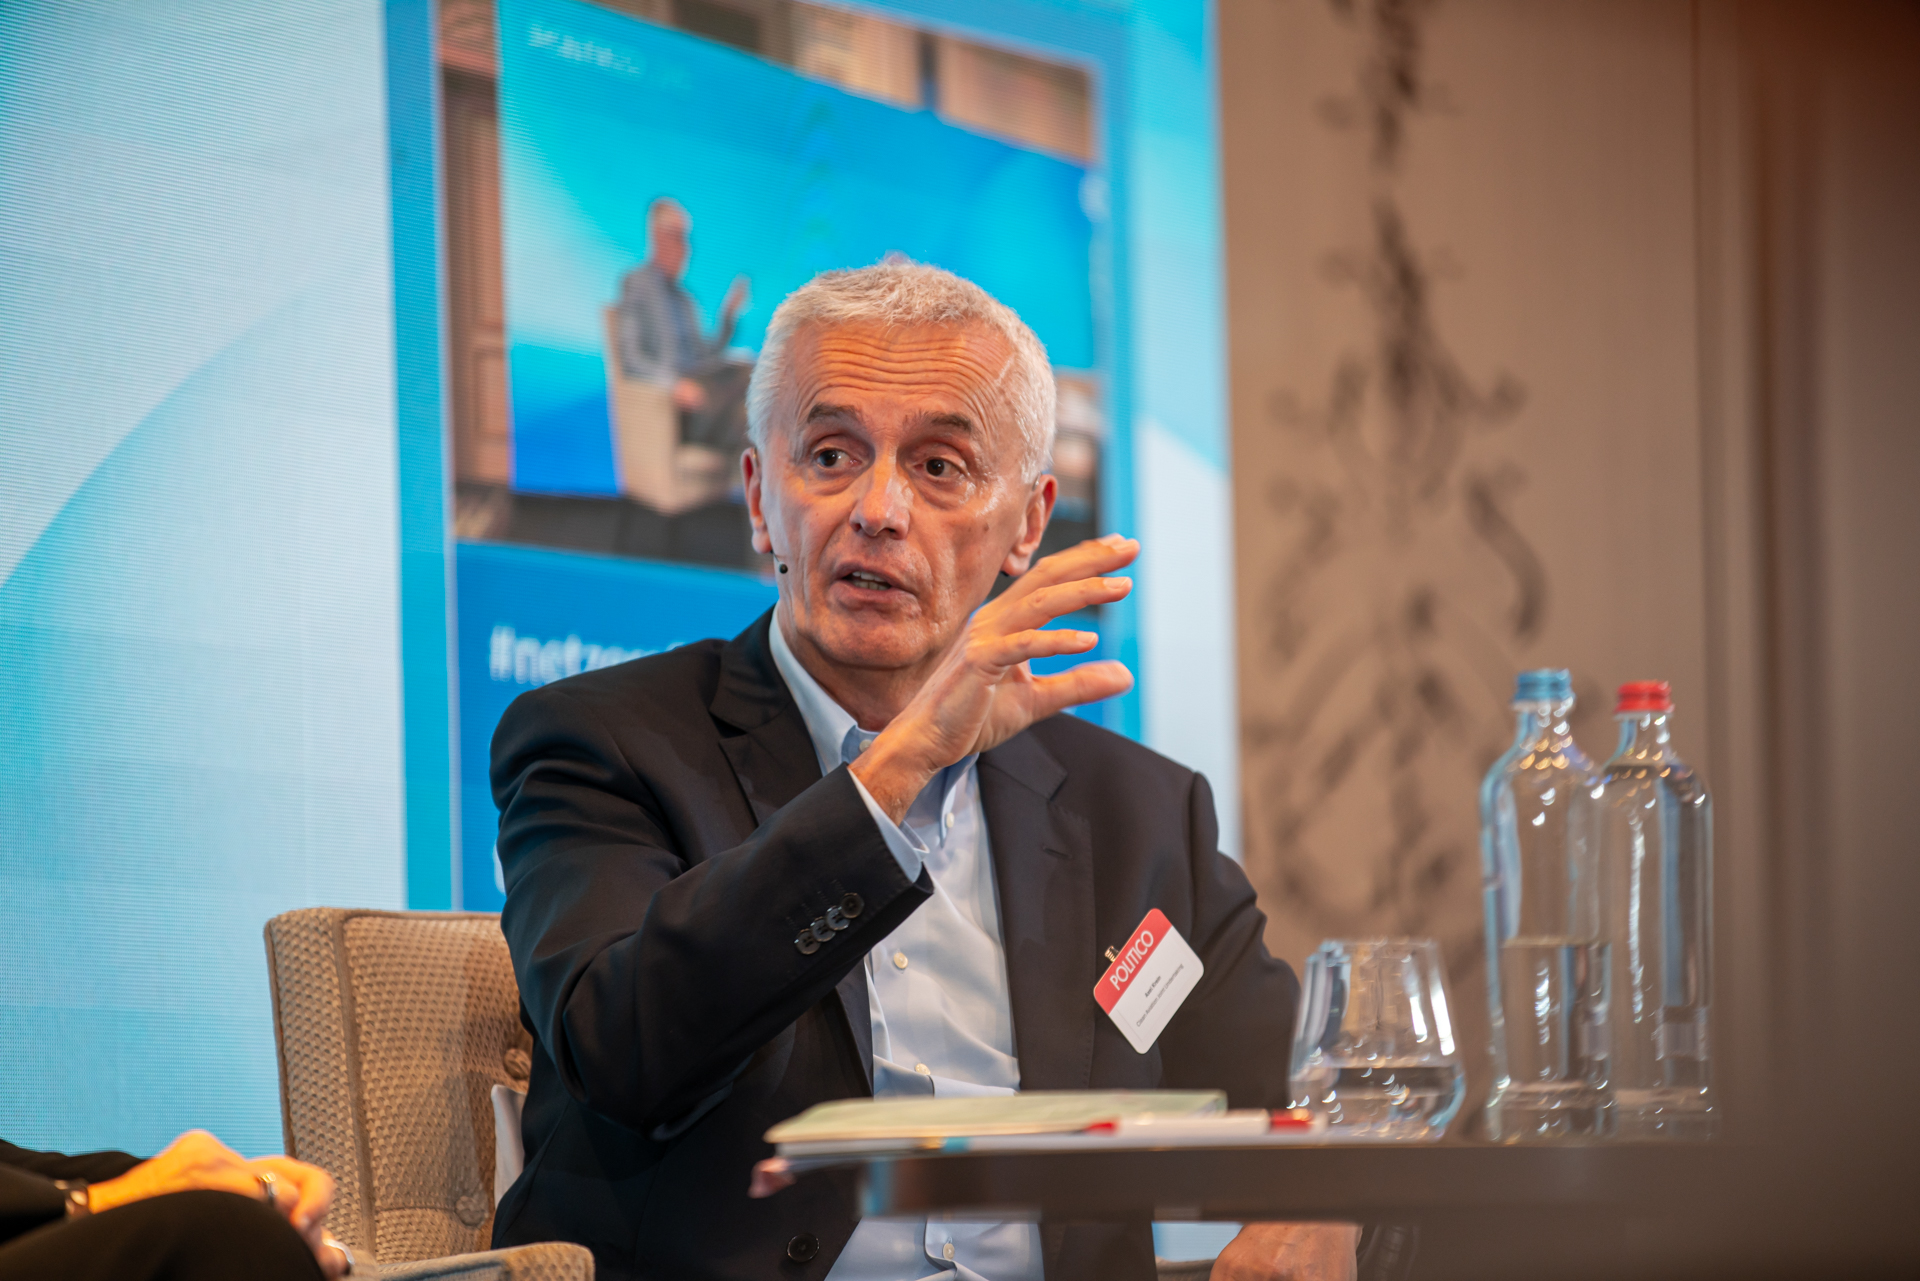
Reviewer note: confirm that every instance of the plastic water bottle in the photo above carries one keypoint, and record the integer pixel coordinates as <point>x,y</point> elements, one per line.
<point>1653,821</point>
<point>1547,937</point>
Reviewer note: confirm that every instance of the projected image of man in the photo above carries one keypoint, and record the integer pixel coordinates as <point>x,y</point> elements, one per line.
<point>661,340</point>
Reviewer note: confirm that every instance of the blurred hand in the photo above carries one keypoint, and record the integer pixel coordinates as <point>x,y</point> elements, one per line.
<point>770,1176</point>
<point>1290,1252</point>
<point>196,1160</point>
<point>689,395</point>
<point>983,693</point>
<point>738,295</point>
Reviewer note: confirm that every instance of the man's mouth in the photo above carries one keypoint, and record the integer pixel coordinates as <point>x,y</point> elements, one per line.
<point>870,582</point>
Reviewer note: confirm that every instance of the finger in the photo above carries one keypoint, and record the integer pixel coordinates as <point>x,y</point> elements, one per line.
<point>332,1260</point>
<point>306,1191</point>
<point>1087,683</point>
<point>1095,556</point>
<point>1011,651</point>
<point>1038,608</point>
<point>769,1176</point>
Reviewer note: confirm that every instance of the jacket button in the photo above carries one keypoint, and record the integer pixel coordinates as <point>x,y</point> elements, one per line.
<point>852,904</point>
<point>807,943</point>
<point>803,1248</point>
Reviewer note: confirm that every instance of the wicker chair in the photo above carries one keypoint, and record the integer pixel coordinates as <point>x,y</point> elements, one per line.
<point>654,467</point>
<point>393,1027</point>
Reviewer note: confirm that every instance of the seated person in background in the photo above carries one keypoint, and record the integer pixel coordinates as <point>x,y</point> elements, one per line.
<point>853,850</point>
<point>197,1212</point>
<point>661,342</point>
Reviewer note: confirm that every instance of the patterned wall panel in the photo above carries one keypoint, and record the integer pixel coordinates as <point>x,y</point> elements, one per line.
<point>1451,356</point>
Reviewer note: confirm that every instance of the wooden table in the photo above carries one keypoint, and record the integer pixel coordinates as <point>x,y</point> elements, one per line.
<point>1484,1212</point>
<point>1374,1181</point>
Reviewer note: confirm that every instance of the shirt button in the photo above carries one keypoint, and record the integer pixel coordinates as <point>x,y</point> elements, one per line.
<point>946,1251</point>
<point>923,1069</point>
<point>899,960</point>
<point>865,743</point>
<point>949,818</point>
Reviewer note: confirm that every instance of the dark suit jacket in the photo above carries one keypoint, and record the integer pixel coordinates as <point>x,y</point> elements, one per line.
<point>28,1198</point>
<point>666,833</point>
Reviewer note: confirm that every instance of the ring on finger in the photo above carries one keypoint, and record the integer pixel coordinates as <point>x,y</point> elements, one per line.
<point>269,1188</point>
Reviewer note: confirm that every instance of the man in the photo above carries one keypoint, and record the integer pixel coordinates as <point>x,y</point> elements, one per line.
<point>197,1212</point>
<point>853,850</point>
<point>660,338</point>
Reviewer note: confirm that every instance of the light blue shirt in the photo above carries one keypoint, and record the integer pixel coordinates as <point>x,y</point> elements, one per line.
<point>936,993</point>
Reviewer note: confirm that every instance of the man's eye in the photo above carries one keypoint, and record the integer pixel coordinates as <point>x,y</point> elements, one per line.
<point>938,467</point>
<point>829,457</point>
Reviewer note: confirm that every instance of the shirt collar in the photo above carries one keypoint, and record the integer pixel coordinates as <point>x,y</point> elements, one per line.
<point>837,737</point>
<point>828,723</point>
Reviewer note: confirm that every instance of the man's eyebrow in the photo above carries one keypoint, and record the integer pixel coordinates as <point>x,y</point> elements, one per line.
<point>820,411</point>
<point>959,422</point>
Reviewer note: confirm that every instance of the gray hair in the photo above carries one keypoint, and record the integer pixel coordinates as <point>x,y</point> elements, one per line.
<point>900,294</point>
<point>662,208</point>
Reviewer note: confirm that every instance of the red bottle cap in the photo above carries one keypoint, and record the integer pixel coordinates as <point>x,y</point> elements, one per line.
<point>1645,696</point>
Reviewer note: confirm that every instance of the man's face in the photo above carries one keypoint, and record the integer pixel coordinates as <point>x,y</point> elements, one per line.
<point>671,245</point>
<point>892,488</point>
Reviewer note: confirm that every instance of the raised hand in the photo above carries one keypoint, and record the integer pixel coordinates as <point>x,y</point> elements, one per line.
<point>983,692</point>
<point>738,295</point>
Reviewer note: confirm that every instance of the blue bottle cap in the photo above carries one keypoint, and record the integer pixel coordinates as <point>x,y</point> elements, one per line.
<point>1543,685</point>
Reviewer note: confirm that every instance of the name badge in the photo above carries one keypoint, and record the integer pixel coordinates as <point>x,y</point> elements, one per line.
<point>1148,980</point>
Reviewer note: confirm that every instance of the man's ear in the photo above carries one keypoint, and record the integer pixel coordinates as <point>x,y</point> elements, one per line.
<point>750,474</point>
<point>1039,512</point>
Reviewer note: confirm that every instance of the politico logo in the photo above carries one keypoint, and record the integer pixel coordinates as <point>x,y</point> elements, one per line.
<point>1128,963</point>
<point>1130,960</point>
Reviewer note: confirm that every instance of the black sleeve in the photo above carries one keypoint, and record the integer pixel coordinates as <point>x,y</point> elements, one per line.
<point>28,1198</point>
<point>1236,1031</point>
<point>650,980</point>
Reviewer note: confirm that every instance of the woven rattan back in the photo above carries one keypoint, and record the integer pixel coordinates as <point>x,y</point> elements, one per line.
<point>392,1029</point>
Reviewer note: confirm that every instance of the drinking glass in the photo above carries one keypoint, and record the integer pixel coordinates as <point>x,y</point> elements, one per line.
<point>1373,1046</point>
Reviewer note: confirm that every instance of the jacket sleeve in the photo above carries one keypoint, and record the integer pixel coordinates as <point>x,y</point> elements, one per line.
<point>28,1198</point>
<point>1236,1031</point>
<point>649,979</point>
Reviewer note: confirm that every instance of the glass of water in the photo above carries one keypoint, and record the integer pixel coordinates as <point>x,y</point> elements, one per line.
<point>1373,1047</point>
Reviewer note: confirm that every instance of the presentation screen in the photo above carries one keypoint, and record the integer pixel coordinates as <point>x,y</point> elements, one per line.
<point>660,192</point>
<point>761,177</point>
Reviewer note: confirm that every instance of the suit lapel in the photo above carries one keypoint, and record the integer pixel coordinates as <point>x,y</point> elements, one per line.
<point>772,756</point>
<point>773,759</point>
<point>1043,866</point>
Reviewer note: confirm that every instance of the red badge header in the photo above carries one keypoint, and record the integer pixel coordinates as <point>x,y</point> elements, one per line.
<point>1113,984</point>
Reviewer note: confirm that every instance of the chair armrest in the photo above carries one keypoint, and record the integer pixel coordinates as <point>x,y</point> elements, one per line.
<point>545,1261</point>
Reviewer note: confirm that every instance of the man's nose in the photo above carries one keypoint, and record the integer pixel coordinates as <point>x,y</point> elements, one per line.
<point>885,500</point>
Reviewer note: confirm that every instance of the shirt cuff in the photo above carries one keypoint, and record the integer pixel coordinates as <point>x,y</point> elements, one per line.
<point>907,850</point>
